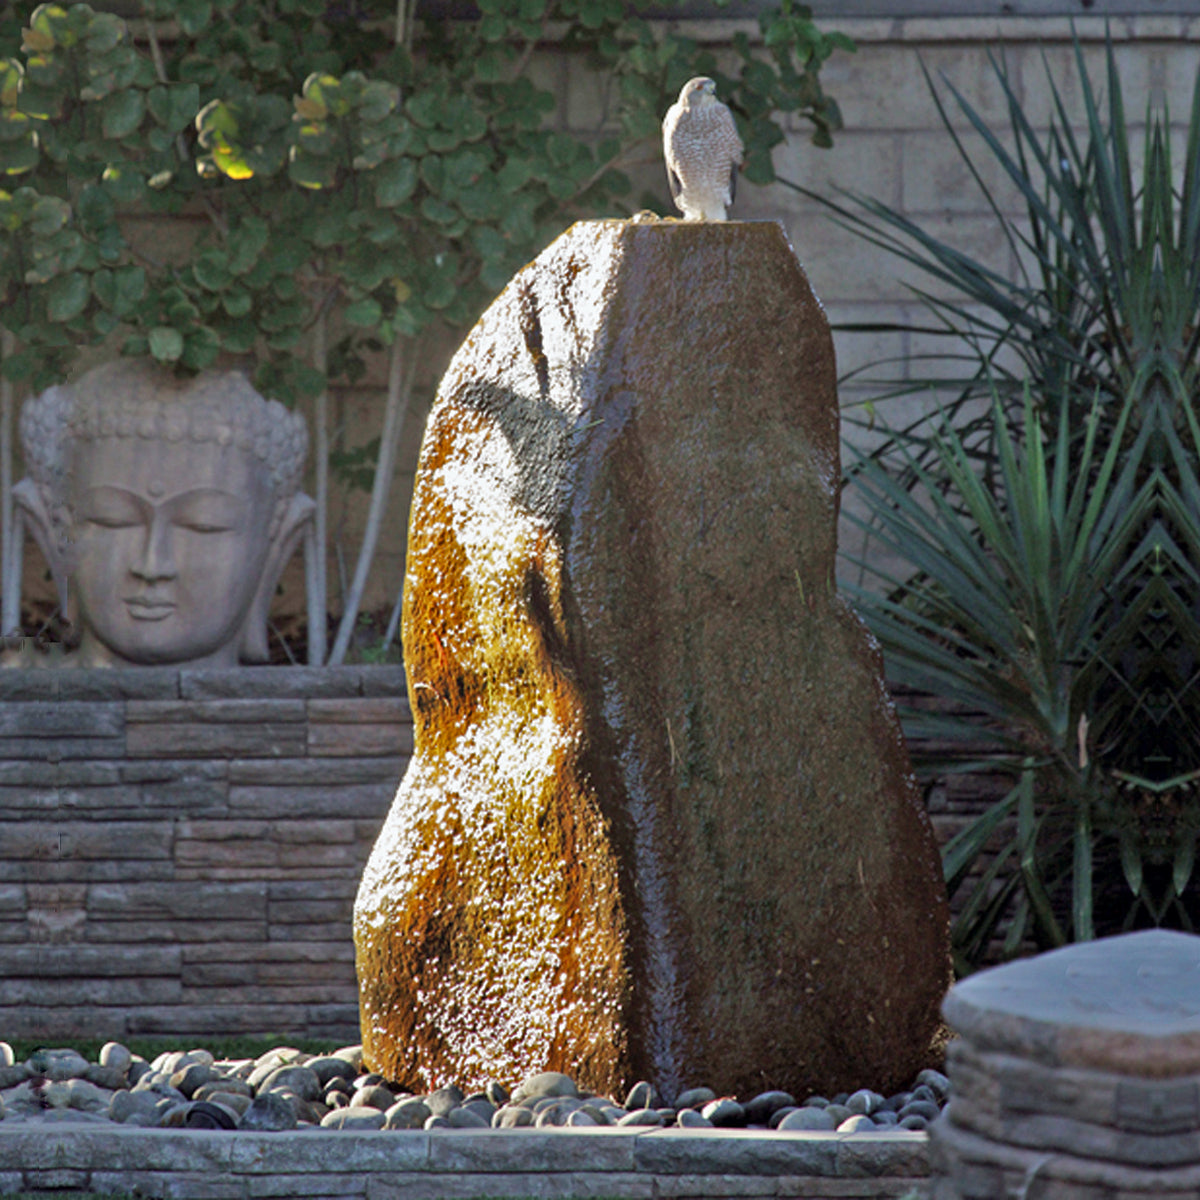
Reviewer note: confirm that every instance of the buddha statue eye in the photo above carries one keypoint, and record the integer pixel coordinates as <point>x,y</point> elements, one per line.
<point>207,510</point>
<point>112,508</point>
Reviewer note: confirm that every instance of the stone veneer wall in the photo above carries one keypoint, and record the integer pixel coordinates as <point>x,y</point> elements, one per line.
<point>179,850</point>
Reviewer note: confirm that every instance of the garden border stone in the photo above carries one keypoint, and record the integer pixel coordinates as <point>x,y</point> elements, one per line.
<point>629,1163</point>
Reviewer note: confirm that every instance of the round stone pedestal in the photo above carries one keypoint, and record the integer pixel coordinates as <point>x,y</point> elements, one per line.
<point>1076,1075</point>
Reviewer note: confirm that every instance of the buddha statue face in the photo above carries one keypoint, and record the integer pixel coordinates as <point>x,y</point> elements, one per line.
<point>170,508</point>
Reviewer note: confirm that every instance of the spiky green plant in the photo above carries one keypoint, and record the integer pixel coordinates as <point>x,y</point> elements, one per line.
<point>1051,597</point>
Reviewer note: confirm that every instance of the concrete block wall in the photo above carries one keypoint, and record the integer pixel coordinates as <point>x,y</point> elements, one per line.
<point>179,850</point>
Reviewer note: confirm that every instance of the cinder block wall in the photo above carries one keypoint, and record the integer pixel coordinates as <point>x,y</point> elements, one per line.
<point>179,850</point>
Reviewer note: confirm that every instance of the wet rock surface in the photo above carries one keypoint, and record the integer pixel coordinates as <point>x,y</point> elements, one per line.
<point>659,808</point>
<point>551,1100</point>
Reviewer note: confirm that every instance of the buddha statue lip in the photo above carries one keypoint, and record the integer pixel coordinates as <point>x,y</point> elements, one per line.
<point>143,608</point>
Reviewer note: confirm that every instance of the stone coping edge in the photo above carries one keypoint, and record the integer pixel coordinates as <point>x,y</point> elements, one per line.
<point>600,1162</point>
<point>232,683</point>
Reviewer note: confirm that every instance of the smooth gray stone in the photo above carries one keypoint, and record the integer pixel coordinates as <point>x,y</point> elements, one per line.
<point>272,1060</point>
<point>377,1096</point>
<point>205,1114</point>
<point>762,1106</point>
<point>408,1114</point>
<point>480,1107</point>
<point>175,1116</point>
<point>695,1097</point>
<point>12,1075</point>
<point>642,1095</point>
<point>779,1114</point>
<point>110,1078</point>
<point>124,1105</point>
<point>839,1112</point>
<point>465,1118</point>
<point>554,1112</point>
<point>6,1055</point>
<point>724,1113</point>
<point>497,1093</point>
<point>936,1081</point>
<point>22,1100</point>
<point>885,1116</point>
<point>269,1112</point>
<point>444,1100</point>
<point>234,1101</point>
<point>194,1075</point>
<point>436,1121</point>
<point>352,1054</point>
<point>229,1084</point>
<point>299,1079</point>
<point>816,1102</point>
<point>55,1094</point>
<point>689,1118</point>
<point>547,1083</point>
<point>807,1118</point>
<point>582,1117</point>
<point>512,1116</point>
<point>858,1123</point>
<point>113,1054</point>
<point>138,1070</point>
<point>58,1065</point>
<point>913,1121</point>
<point>356,1118</point>
<point>898,1101</point>
<point>864,1101</point>
<point>920,1108</point>
<point>338,1100</point>
<point>307,1111</point>
<point>641,1116</point>
<point>87,1097</point>
<point>924,1092</point>
<point>329,1067</point>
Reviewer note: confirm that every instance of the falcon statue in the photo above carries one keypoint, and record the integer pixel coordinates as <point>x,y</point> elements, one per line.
<point>702,150</point>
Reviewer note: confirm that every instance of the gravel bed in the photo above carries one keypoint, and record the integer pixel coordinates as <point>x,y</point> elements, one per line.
<point>288,1089</point>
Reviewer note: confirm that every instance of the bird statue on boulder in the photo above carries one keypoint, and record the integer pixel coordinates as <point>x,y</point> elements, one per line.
<point>702,150</point>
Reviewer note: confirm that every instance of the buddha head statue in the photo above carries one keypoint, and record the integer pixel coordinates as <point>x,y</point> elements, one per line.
<point>170,505</point>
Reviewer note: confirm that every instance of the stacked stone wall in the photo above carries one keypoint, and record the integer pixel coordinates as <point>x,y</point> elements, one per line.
<point>179,850</point>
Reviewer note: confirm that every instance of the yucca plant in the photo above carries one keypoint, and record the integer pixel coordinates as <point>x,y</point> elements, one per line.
<point>1051,599</point>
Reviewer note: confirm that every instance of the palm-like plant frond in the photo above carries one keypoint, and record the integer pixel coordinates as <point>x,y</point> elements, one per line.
<point>1051,595</point>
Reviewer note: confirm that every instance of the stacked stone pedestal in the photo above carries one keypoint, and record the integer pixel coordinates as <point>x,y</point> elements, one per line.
<point>1077,1075</point>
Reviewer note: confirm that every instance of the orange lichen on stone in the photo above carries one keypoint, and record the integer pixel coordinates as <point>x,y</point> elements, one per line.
<point>659,821</point>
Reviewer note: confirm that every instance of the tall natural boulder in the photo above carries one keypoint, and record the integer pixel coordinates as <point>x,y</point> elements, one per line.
<point>659,821</point>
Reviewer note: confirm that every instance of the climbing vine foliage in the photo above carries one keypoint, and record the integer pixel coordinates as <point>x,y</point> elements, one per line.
<point>333,162</point>
<point>325,160</point>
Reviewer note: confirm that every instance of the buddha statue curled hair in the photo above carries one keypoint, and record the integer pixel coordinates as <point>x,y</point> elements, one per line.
<point>131,399</point>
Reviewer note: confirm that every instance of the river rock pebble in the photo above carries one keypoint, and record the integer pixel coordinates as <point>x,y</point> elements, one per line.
<point>808,1118</point>
<point>357,1117</point>
<point>288,1089</point>
<point>270,1112</point>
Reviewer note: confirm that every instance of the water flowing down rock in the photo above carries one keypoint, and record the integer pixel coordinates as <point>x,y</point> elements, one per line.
<point>659,823</point>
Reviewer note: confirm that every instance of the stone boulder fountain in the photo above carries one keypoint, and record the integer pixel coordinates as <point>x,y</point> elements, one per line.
<point>660,821</point>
